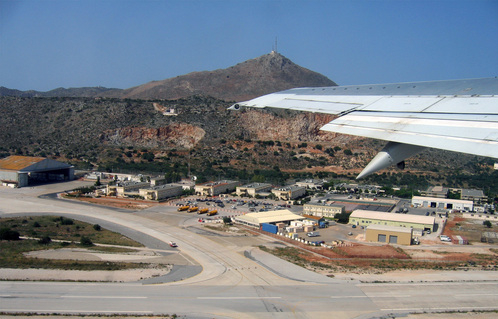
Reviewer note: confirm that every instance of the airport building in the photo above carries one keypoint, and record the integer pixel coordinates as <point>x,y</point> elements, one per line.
<point>311,183</point>
<point>289,192</point>
<point>122,189</point>
<point>436,191</point>
<point>215,188</point>
<point>21,171</point>
<point>389,234</point>
<point>271,217</point>
<point>161,192</point>
<point>253,189</point>
<point>367,218</point>
<point>442,203</point>
<point>323,210</point>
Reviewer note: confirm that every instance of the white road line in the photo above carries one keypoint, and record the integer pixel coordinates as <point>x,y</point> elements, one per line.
<point>469,295</point>
<point>438,309</point>
<point>428,283</point>
<point>342,297</point>
<point>236,298</point>
<point>104,297</point>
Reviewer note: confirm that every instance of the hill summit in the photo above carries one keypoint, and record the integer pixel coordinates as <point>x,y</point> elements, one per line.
<point>263,75</point>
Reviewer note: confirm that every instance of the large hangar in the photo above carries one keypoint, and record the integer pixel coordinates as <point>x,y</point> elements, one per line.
<point>21,171</point>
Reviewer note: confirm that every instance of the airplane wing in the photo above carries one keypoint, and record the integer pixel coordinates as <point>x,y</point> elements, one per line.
<point>457,115</point>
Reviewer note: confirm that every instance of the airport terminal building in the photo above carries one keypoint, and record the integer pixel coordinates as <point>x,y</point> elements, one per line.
<point>22,171</point>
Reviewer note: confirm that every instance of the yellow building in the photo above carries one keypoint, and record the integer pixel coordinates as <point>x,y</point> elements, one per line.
<point>389,234</point>
<point>323,210</point>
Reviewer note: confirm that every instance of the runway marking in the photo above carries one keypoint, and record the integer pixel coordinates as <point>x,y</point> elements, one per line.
<point>236,298</point>
<point>468,295</point>
<point>372,296</point>
<point>427,284</point>
<point>104,297</point>
<point>341,297</point>
<point>437,309</point>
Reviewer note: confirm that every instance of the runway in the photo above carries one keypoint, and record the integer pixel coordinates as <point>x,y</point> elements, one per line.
<point>229,285</point>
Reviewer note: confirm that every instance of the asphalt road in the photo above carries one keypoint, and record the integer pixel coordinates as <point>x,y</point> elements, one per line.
<point>235,281</point>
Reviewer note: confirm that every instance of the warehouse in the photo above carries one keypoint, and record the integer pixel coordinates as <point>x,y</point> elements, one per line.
<point>21,171</point>
<point>389,234</point>
<point>442,203</point>
<point>367,218</point>
<point>272,217</point>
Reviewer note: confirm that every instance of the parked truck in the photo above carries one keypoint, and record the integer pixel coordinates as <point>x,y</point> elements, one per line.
<point>183,208</point>
<point>193,209</point>
<point>203,211</point>
<point>212,212</point>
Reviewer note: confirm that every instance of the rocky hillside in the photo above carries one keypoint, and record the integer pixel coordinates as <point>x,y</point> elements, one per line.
<point>200,135</point>
<point>267,74</point>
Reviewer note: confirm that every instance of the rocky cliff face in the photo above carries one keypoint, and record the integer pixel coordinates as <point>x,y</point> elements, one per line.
<point>297,127</point>
<point>176,135</point>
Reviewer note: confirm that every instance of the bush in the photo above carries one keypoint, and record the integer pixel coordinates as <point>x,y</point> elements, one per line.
<point>97,227</point>
<point>45,240</point>
<point>487,223</point>
<point>8,234</point>
<point>85,241</point>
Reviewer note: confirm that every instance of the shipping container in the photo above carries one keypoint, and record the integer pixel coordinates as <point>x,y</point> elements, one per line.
<point>269,228</point>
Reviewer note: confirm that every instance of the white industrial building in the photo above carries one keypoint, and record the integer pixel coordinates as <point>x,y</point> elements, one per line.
<point>273,217</point>
<point>21,171</point>
<point>443,203</point>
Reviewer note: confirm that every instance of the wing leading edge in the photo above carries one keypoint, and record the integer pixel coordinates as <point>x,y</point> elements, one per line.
<point>458,115</point>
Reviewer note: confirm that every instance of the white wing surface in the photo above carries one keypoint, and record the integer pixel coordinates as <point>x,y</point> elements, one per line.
<point>458,115</point>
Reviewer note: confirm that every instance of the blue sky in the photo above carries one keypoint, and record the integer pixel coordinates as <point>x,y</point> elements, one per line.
<point>50,44</point>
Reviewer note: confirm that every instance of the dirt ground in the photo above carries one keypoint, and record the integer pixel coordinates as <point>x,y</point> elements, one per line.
<point>117,202</point>
<point>157,265</point>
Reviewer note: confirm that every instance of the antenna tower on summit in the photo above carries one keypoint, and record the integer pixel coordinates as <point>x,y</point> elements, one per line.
<point>274,49</point>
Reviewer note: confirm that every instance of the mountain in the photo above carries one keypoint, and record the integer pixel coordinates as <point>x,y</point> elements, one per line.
<point>59,92</point>
<point>266,74</point>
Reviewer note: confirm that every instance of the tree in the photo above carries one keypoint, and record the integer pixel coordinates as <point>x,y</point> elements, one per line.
<point>487,223</point>
<point>97,227</point>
